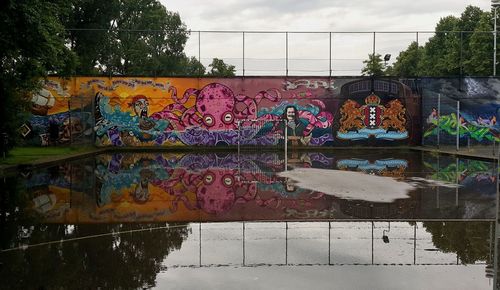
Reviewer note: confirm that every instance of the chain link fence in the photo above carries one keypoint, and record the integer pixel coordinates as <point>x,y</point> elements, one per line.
<point>292,53</point>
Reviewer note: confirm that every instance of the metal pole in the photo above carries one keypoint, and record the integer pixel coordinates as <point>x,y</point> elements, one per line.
<point>286,144</point>
<point>330,56</point>
<point>372,242</point>
<point>243,243</point>
<point>458,125</point>
<point>438,120</point>
<point>415,243</point>
<point>243,53</point>
<point>497,230</point>
<point>199,51</point>
<point>495,43</point>
<point>200,241</point>
<point>69,119</point>
<point>457,180</point>
<point>92,118</point>
<point>437,187</point>
<point>461,53</point>
<point>373,52</point>
<point>417,54</point>
<point>329,242</point>
<point>286,243</point>
<point>239,135</point>
<point>461,61</point>
<point>286,52</point>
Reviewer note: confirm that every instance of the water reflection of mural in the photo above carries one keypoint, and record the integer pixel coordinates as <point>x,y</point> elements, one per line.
<point>470,186</point>
<point>217,112</point>
<point>384,167</point>
<point>224,187</point>
<point>473,172</point>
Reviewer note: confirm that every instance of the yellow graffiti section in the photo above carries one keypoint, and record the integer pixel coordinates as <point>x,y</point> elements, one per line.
<point>120,91</point>
<point>59,206</point>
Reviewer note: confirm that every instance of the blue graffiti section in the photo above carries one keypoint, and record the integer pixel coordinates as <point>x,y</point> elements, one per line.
<point>115,178</point>
<point>376,133</point>
<point>115,123</point>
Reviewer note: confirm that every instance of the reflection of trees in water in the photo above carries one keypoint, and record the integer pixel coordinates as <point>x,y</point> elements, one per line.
<point>470,240</point>
<point>121,260</point>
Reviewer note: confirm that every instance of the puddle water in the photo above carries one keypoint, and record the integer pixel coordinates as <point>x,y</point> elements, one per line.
<point>227,220</point>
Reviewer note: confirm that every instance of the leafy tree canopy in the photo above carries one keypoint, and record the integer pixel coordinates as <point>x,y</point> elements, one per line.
<point>460,46</point>
<point>374,66</point>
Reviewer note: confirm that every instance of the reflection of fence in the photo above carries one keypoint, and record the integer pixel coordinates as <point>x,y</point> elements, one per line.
<point>254,244</point>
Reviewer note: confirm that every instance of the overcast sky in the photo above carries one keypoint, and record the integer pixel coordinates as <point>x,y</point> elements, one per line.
<point>308,53</point>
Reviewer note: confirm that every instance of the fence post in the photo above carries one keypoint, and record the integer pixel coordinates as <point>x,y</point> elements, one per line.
<point>330,56</point>
<point>286,144</point>
<point>457,180</point>
<point>243,53</point>
<point>439,120</point>
<point>199,52</point>
<point>69,120</point>
<point>239,135</point>
<point>286,52</point>
<point>373,52</point>
<point>458,125</point>
<point>418,73</point>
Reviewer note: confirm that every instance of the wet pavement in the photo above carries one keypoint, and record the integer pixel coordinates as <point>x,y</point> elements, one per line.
<point>227,220</point>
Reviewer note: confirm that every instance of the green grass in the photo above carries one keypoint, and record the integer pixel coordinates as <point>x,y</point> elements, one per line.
<point>21,155</point>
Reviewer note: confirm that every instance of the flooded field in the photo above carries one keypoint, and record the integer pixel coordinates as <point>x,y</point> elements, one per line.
<point>339,219</point>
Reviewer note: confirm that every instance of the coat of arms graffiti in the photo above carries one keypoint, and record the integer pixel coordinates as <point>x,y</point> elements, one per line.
<point>372,119</point>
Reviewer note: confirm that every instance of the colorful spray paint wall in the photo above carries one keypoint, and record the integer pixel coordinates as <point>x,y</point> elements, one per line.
<point>473,100</point>
<point>60,115</point>
<point>252,111</point>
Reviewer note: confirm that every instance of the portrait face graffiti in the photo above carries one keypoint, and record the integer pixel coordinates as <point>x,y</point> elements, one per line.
<point>140,106</point>
<point>290,114</point>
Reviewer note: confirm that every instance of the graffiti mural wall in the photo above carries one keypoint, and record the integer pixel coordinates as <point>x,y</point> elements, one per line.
<point>478,111</point>
<point>219,112</point>
<point>60,115</point>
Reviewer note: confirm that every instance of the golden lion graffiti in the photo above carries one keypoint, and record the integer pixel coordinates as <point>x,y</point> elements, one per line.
<point>393,116</point>
<point>352,116</point>
<point>398,173</point>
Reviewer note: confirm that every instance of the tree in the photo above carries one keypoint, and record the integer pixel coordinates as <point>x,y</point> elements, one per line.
<point>441,55</point>
<point>480,60</point>
<point>221,69</point>
<point>90,34</point>
<point>469,240</point>
<point>32,45</point>
<point>453,50</point>
<point>408,61</point>
<point>374,65</point>
<point>128,37</point>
